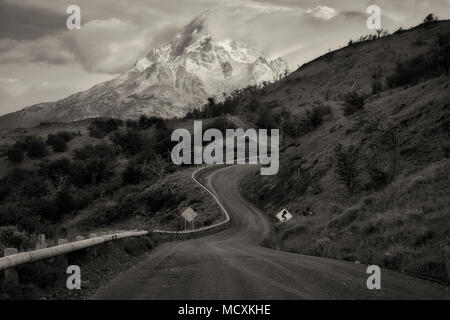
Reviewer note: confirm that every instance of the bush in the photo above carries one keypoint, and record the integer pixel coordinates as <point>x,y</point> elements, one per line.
<point>65,202</point>
<point>266,119</point>
<point>315,117</point>
<point>46,209</point>
<point>58,141</point>
<point>130,141</point>
<point>145,122</point>
<point>132,175</point>
<point>158,199</point>
<point>353,102</point>
<point>101,128</point>
<point>36,148</point>
<point>101,150</point>
<point>10,237</point>
<point>58,144</point>
<point>423,67</point>
<point>96,171</point>
<point>430,19</point>
<point>15,155</point>
<point>379,178</point>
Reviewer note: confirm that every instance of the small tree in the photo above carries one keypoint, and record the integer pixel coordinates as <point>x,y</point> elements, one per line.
<point>130,141</point>
<point>379,178</point>
<point>347,166</point>
<point>159,165</point>
<point>353,102</point>
<point>430,19</point>
<point>392,139</point>
<point>132,175</point>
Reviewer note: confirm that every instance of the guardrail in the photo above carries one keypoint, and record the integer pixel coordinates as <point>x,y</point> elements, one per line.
<point>227,216</point>
<point>15,260</point>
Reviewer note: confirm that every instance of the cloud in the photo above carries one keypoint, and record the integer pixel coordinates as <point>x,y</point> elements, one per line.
<point>108,46</point>
<point>20,22</point>
<point>322,12</point>
<point>13,87</point>
<point>48,49</point>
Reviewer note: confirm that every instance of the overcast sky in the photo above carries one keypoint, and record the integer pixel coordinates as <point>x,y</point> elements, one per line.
<point>41,60</point>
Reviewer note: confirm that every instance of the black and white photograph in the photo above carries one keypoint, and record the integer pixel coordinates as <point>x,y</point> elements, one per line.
<point>224,157</point>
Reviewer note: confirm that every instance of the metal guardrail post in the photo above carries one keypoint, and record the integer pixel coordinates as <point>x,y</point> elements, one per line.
<point>41,244</point>
<point>11,275</point>
<point>93,250</point>
<point>62,260</point>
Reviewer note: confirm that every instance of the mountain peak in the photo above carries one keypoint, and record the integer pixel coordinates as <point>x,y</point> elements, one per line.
<point>170,80</point>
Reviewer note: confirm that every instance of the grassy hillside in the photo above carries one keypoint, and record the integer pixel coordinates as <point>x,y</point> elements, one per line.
<point>367,145</point>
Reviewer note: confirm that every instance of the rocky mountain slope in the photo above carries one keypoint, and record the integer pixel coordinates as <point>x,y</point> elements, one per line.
<point>168,82</point>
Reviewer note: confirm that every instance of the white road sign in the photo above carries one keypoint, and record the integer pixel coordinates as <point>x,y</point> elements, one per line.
<point>189,214</point>
<point>284,215</point>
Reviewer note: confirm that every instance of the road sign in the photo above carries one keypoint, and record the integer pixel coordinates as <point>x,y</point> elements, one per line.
<point>284,215</point>
<point>189,214</point>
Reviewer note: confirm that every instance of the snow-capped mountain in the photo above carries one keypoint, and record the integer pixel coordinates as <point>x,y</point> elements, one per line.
<point>168,82</point>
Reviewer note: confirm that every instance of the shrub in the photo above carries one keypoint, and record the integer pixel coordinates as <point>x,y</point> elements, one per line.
<point>101,150</point>
<point>36,148</point>
<point>65,202</point>
<point>58,141</point>
<point>266,119</point>
<point>10,237</point>
<point>46,209</point>
<point>130,141</point>
<point>145,122</point>
<point>101,128</point>
<point>422,67</point>
<point>160,141</point>
<point>96,171</point>
<point>132,175</point>
<point>353,102</point>
<point>315,117</point>
<point>15,155</point>
<point>430,19</point>
<point>58,144</point>
<point>379,178</point>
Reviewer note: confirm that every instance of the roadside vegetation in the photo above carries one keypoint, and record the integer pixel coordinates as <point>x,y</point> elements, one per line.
<point>114,174</point>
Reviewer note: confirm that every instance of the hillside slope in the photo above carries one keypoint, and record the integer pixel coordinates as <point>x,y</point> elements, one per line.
<point>392,210</point>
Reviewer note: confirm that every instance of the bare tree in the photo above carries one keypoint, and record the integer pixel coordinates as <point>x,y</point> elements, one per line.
<point>159,165</point>
<point>393,139</point>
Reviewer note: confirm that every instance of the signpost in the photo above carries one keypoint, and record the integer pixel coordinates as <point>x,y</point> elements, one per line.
<point>189,215</point>
<point>284,215</point>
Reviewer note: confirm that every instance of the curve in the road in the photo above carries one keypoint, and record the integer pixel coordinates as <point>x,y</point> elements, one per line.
<point>231,264</point>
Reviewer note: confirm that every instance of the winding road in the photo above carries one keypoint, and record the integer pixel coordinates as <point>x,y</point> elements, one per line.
<point>231,264</point>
